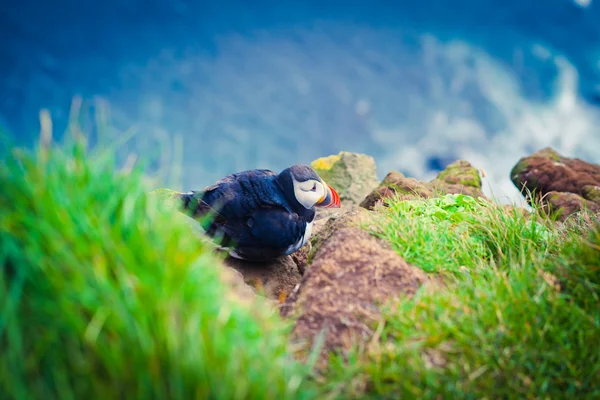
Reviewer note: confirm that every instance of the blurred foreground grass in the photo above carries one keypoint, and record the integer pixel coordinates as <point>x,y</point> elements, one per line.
<point>106,294</point>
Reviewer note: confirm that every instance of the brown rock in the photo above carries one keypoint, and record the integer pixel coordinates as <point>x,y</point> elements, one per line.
<point>561,183</point>
<point>274,279</point>
<point>351,276</point>
<point>458,177</point>
<point>565,204</point>
<point>547,171</point>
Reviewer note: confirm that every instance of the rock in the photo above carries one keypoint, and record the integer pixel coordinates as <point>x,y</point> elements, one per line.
<point>562,205</point>
<point>354,217</point>
<point>565,185</point>
<point>458,177</point>
<point>460,173</point>
<point>591,192</point>
<point>352,275</point>
<point>396,184</point>
<point>274,279</point>
<point>352,175</point>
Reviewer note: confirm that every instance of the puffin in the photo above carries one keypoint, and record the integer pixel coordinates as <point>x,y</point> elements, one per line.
<point>260,215</point>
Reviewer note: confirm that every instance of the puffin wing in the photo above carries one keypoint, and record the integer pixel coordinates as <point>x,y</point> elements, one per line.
<point>274,227</point>
<point>231,201</point>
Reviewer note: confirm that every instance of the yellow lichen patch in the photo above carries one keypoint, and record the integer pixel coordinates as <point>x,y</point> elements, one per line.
<point>325,163</point>
<point>282,296</point>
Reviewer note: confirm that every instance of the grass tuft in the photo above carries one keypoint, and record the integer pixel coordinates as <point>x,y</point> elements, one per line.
<point>454,232</point>
<point>104,293</point>
<point>505,327</point>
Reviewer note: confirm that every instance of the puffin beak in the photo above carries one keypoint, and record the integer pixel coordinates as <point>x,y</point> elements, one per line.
<point>330,200</point>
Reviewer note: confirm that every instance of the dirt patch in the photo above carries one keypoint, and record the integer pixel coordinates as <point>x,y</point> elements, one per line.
<point>274,279</point>
<point>351,276</point>
<point>354,217</point>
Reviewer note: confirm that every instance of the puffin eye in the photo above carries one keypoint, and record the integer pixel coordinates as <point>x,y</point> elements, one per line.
<point>314,188</point>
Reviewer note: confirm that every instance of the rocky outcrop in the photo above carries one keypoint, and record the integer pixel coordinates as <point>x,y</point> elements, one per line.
<point>458,177</point>
<point>351,276</point>
<point>565,185</point>
<point>563,205</point>
<point>355,217</point>
<point>352,175</point>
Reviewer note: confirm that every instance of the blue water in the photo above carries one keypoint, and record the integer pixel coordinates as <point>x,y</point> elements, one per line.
<point>267,84</point>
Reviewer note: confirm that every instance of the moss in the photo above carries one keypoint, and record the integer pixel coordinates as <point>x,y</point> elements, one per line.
<point>517,170</point>
<point>592,193</point>
<point>461,172</point>
<point>549,154</point>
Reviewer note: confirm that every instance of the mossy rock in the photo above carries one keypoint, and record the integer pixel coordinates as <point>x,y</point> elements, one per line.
<point>461,173</point>
<point>592,193</point>
<point>562,205</point>
<point>564,185</point>
<point>352,175</point>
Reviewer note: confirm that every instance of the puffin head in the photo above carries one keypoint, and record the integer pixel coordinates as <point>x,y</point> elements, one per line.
<point>303,184</point>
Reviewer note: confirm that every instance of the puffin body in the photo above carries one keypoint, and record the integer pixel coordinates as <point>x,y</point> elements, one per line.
<point>259,214</point>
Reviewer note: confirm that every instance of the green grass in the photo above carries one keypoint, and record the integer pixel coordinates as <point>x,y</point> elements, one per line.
<point>106,294</point>
<point>502,328</point>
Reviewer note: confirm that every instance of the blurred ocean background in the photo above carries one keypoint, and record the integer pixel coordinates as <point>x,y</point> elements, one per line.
<point>264,84</point>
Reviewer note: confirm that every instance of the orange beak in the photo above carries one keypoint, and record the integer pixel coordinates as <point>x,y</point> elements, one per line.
<point>331,199</point>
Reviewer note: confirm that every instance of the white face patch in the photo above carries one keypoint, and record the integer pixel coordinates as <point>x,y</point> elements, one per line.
<point>308,192</point>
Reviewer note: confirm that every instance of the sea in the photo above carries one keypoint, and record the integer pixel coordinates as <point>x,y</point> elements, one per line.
<point>225,86</point>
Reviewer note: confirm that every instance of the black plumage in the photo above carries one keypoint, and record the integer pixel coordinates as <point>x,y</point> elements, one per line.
<point>256,213</point>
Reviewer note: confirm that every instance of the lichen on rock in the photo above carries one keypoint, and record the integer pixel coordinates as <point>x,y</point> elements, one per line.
<point>352,175</point>
<point>592,193</point>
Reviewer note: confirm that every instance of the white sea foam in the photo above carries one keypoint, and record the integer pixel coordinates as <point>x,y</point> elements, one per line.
<point>294,95</point>
<point>566,122</point>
